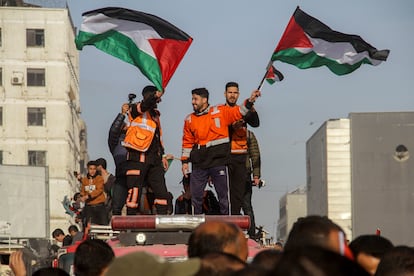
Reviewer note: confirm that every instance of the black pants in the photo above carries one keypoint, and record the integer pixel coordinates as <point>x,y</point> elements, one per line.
<point>119,195</point>
<point>247,206</point>
<point>96,214</point>
<point>151,173</point>
<point>237,177</point>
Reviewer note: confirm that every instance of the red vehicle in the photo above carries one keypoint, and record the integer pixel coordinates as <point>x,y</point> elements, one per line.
<point>163,235</point>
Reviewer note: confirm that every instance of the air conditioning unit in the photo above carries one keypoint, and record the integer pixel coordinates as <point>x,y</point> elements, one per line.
<point>17,78</point>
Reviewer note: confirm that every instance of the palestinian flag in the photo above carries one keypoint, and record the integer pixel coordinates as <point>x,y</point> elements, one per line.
<point>150,43</point>
<point>273,75</point>
<point>308,43</point>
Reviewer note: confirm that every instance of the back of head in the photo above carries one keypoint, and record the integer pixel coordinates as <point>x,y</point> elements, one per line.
<point>217,236</point>
<point>92,257</point>
<point>399,261</point>
<point>148,90</point>
<point>220,263</point>
<point>101,162</point>
<point>267,259</point>
<point>202,92</point>
<point>373,245</point>
<point>311,231</point>
<point>316,261</point>
<point>50,271</point>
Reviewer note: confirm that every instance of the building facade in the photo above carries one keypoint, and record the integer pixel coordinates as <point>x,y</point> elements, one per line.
<point>40,119</point>
<point>291,207</point>
<point>360,174</point>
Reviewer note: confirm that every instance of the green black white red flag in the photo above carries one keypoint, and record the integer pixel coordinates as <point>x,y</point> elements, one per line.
<point>144,40</point>
<point>273,75</point>
<point>307,43</point>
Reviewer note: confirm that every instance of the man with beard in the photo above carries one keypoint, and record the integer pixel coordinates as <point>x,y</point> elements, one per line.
<point>239,149</point>
<point>206,144</point>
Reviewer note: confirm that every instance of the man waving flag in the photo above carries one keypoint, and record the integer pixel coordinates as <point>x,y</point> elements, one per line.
<point>150,43</point>
<point>308,43</point>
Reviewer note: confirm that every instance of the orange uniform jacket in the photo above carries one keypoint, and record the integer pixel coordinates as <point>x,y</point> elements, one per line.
<point>239,141</point>
<point>94,187</point>
<point>141,132</point>
<point>206,135</point>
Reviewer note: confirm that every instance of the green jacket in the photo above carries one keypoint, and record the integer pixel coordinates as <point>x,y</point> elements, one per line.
<point>253,161</point>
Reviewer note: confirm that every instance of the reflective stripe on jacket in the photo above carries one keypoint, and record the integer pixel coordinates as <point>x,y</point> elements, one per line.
<point>209,128</point>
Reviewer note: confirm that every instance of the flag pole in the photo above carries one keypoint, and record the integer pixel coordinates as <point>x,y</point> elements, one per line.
<point>264,77</point>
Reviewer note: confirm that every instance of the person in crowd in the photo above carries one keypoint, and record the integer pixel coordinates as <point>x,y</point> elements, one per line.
<point>93,195</point>
<point>75,234</point>
<point>220,264</point>
<point>369,249</point>
<point>239,148</point>
<point>253,168</point>
<point>147,162</point>
<point>109,182</point>
<point>206,144</point>
<point>398,261</point>
<point>267,259</point>
<point>20,267</point>
<point>314,230</point>
<point>144,263</point>
<point>116,137</point>
<point>217,236</point>
<point>92,258</point>
<point>60,236</point>
<point>314,260</point>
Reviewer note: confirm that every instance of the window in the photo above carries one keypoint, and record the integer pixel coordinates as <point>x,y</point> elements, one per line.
<point>1,76</point>
<point>1,115</point>
<point>37,158</point>
<point>36,116</point>
<point>35,38</point>
<point>1,157</point>
<point>0,38</point>
<point>35,77</point>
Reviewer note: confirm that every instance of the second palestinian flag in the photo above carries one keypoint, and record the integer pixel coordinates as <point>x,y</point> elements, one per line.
<point>150,43</point>
<point>308,43</point>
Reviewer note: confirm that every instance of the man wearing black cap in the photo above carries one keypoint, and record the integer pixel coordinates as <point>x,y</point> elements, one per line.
<point>206,144</point>
<point>146,160</point>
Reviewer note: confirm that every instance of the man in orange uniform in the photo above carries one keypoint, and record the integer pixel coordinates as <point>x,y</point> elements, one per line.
<point>239,148</point>
<point>93,195</point>
<point>206,144</point>
<point>146,161</point>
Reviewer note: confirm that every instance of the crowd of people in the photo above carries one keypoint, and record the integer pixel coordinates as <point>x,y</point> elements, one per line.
<point>218,150</point>
<point>316,246</point>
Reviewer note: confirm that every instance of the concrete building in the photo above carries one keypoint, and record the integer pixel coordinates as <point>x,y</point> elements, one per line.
<point>291,207</point>
<point>40,110</point>
<point>360,174</point>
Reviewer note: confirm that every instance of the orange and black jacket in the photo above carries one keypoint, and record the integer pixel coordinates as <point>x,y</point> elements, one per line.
<point>144,132</point>
<point>206,141</point>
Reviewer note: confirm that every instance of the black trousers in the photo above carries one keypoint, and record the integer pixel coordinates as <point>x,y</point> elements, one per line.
<point>237,177</point>
<point>96,214</point>
<point>151,173</point>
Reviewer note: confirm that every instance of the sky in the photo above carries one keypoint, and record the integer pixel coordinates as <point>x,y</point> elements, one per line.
<point>233,41</point>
